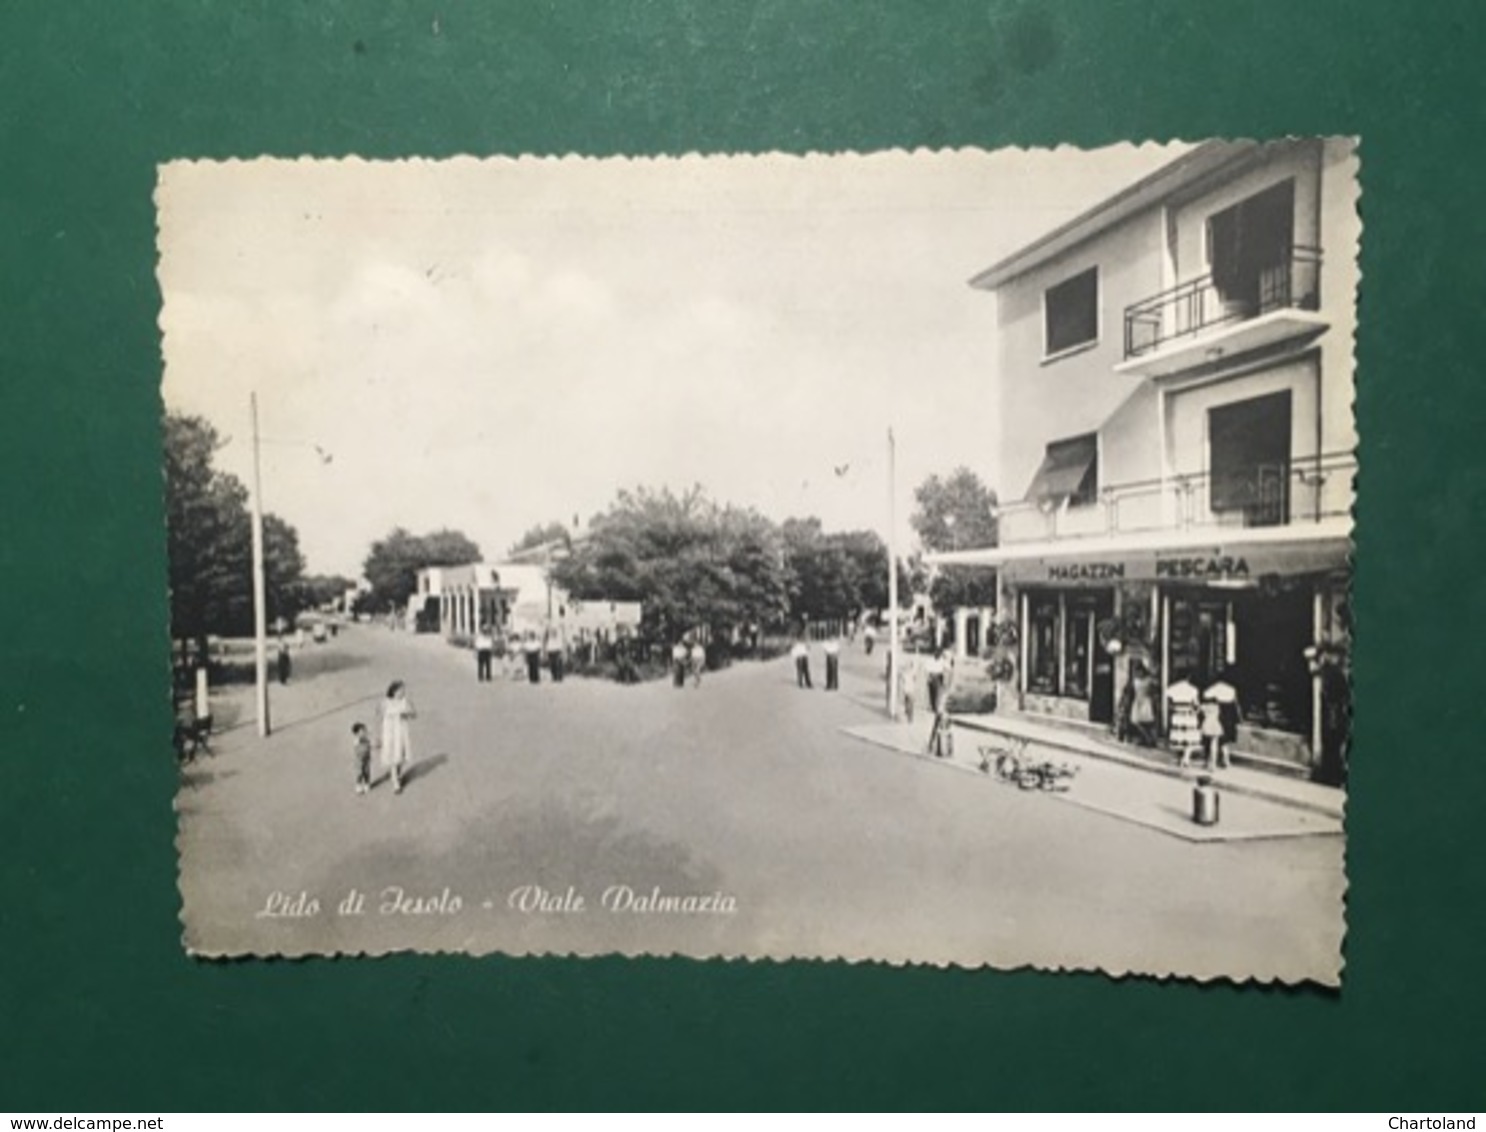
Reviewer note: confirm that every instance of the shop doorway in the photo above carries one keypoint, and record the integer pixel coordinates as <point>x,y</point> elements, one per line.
<point>1089,668</point>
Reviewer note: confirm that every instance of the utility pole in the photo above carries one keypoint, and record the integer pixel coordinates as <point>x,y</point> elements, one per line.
<point>892,576</point>
<point>260,609</point>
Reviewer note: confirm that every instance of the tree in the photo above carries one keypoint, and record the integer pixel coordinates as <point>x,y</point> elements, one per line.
<point>209,542</point>
<point>957,513</point>
<point>283,570</point>
<point>542,534</point>
<point>689,561</point>
<point>321,590</point>
<point>206,523</point>
<point>392,564</point>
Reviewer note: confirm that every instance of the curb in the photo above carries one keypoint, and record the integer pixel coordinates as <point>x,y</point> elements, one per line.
<point>1097,751</point>
<point>1191,838</point>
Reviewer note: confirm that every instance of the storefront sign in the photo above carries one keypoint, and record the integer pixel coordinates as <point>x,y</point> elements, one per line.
<point>1202,566</point>
<point>1086,572</point>
<point>1246,562</point>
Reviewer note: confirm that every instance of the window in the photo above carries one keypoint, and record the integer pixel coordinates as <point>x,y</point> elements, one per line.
<point>1078,644</point>
<point>1069,471</point>
<point>1249,453</point>
<point>1249,248</point>
<point>1042,643</point>
<point>1070,313</point>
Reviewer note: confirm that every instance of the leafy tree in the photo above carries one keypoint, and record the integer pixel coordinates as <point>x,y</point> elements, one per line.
<point>209,541</point>
<point>206,525</point>
<point>283,570</point>
<point>541,535</point>
<point>689,561</point>
<point>957,512</point>
<point>322,589</point>
<point>392,564</point>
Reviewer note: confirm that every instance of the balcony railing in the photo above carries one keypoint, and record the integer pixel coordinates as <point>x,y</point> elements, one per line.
<point>1200,305</point>
<point>1304,490</point>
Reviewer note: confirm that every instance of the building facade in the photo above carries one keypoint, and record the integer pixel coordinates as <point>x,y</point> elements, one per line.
<point>515,597</point>
<point>1175,384</point>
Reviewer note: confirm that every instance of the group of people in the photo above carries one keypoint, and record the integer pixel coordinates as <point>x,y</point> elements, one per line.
<point>933,672</point>
<point>800,652</point>
<point>396,740</point>
<point>529,648</point>
<point>1200,721</point>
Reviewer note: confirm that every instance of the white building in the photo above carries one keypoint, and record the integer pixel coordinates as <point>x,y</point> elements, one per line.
<point>1175,387</point>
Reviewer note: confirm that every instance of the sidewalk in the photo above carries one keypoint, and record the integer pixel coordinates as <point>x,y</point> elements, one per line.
<point>1254,805</point>
<point>1279,788</point>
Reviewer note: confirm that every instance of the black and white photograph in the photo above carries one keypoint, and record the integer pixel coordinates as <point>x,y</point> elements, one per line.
<point>935,557</point>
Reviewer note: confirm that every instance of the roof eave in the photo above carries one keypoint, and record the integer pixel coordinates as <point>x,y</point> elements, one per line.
<point>1134,198</point>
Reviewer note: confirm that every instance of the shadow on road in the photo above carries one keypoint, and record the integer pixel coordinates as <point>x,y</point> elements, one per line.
<point>422,767</point>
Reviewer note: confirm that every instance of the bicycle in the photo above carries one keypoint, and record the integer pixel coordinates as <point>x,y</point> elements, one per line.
<point>1011,765</point>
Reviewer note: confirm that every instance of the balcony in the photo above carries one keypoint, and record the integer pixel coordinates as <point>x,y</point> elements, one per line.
<point>1303,491</point>
<point>1204,319</point>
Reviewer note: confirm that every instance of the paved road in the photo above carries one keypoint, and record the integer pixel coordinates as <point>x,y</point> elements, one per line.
<point>822,845</point>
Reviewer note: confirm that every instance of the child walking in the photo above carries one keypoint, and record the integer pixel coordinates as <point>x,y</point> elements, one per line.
<point>361,749</point>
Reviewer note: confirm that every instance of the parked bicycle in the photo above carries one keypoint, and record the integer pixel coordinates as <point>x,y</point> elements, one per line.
<point>1012,764</point>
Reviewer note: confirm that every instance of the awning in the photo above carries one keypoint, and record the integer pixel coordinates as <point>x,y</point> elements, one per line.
<point>1203,555</point>
<point>1063,468</point>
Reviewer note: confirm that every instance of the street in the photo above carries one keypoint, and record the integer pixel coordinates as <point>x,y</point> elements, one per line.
<point>795,839</point>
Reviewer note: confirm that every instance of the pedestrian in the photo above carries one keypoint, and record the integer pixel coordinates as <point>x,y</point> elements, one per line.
<point>500,649</point>
<point>833,663</point>
<point>284,663</point>
<point>533,649</point>
<point>801,653</point>
<point>869,638</point>
<point>556,652</point>
<point>361,751</point>
<point>934,678</point>
<point>908,683</point>
<point>397,744</point>
<point>1185,729</point>
<point>1220,713</point>
<point>484,649</point>
<point>941,738</point>
<point>680,657</point>
<point>1142,704</point>
<point>698,661</point>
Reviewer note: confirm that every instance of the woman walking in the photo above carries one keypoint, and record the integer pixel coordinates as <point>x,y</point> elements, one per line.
<point>1143,705</point>
<point>397,747</point>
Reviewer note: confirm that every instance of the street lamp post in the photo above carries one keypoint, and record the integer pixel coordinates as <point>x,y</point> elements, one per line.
<point>260,607</point>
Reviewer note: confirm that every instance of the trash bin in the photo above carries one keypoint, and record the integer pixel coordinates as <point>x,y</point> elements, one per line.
<point>1205,802</point>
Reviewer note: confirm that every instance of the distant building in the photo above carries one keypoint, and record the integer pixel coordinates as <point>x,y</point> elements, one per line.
<point>517,597</point>
<point>1175,390</point>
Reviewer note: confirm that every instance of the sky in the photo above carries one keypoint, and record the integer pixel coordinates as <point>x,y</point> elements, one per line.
<point>486,345</point>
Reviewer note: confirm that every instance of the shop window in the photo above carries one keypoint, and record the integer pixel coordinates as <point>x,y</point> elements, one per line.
<point>1042,644</point>
<point>1198,639</point>
<point>1069,471</point>
<point>1249,456</point>
<point>1078,640</point>
<point>1071,313</point>
<point>1273,626</point>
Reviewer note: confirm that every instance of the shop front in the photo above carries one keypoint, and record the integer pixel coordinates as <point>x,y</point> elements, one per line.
<point>1067,672</point>
<point>1267,611</point>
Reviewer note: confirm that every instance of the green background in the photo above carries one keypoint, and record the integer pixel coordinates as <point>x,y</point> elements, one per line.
<point>99,1009</point>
